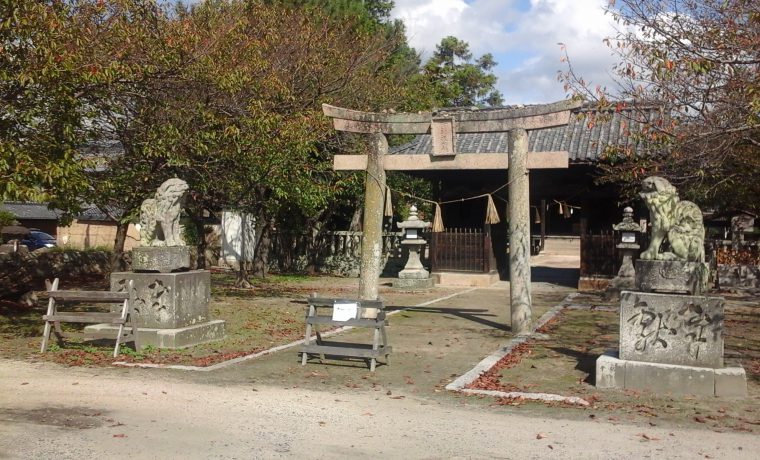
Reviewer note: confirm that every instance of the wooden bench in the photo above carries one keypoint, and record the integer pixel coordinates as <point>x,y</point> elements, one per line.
<point>122,316</point>
<point>368,351</point>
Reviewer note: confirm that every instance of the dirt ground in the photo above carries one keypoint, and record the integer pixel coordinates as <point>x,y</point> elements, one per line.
<point>73,413</point>
<point>272,407</point>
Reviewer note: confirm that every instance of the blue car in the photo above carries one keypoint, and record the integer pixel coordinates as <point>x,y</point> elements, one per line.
<point>38,239</point>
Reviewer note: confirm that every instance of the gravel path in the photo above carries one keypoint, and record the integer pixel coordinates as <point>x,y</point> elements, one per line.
<point>53,412</point>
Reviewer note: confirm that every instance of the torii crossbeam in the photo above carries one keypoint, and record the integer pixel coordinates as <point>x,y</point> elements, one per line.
<point>444,126</point>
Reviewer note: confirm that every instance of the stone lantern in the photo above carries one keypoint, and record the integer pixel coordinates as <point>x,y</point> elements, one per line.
<point>628,245</point>
<point>414,275</point>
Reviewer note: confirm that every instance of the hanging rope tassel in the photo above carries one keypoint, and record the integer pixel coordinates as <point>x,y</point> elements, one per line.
<point>388,203</point>
<point>437,220</point>
<point>492,215</point>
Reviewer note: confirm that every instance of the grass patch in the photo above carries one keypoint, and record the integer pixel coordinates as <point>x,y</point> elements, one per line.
<point>269,315</point>
<point>565,364</point>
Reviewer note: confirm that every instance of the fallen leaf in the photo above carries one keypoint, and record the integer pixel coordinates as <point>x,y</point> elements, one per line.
<point>322,423</point>
<point>550,446</point>
<point>649,438</point>
<point>25,383</point>
<point>121,435</point>
<point>540,436</point>
<point>699,419</point>
<point>368,413</point>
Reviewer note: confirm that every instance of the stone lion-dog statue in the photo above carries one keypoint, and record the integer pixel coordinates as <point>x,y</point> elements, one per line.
<point>159,216</point>
<point>680,222</point>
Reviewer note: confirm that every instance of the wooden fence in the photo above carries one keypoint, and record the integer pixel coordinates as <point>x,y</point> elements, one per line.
<point>462,249</point>
<point>599,256</point>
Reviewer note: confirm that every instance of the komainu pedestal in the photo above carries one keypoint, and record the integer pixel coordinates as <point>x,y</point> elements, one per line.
<point>671,329</point>
<point>672,276</point>
<point>671,338</point>
<point>171,308</point>
<point>165,259</point>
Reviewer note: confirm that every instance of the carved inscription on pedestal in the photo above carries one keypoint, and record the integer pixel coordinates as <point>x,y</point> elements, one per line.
<point>671,329</point>
<point>444,136</point>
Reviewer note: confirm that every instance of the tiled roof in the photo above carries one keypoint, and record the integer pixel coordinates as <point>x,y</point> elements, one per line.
<point>24,210</point>
<point>93,212</point>
<point>585,137</point>
<point>40,211</point>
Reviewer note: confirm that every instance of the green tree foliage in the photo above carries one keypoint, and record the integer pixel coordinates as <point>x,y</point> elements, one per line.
<point>44,85</point>
<point>459,81</point>
<point>698,61</point>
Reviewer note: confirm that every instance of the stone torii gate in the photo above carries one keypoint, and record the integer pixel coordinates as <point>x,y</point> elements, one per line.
<point>444,126</point>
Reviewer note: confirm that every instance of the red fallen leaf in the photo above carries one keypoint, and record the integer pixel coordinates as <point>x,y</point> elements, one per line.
<point>699,419</point>
<point>121,435</point>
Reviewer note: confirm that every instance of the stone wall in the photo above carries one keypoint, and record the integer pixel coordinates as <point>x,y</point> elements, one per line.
<point>24,272</point>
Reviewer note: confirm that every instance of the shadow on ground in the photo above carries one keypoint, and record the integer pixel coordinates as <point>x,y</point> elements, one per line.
<point>553,275</point>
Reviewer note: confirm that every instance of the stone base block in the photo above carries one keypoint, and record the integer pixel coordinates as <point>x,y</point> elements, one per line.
<point>684,330</point>
<point>586,284</point>
<point>465,279</point>
<point>413,283</point>
<point>182,337</point>
<point>731,382</point>
<point>670,378</point>
<point>164,259</point>
<point>612,372</point>
<point>168,300</point>
<point>671,276</point>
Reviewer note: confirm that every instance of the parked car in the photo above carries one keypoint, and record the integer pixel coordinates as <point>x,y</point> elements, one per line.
<point>38,239</point>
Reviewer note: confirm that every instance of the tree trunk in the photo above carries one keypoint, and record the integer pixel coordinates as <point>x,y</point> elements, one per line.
<point>245,267</point>
<point>200,231</point>
<point>356,220</point>
<point>242,281</point>
<point>117,258</point>
<point>261,254</point>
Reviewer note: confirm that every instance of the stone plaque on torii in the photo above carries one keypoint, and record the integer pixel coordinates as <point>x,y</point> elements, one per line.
<point>443,126</point>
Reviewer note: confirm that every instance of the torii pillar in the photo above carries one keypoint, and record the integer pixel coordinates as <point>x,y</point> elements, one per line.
<point>444,125</point>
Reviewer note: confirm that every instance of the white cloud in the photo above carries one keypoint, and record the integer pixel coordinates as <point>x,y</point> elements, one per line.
<point>523,37</point>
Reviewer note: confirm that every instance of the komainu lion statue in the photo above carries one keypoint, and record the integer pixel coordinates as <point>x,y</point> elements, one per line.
<point>678,221</point>
<point>159,216</point>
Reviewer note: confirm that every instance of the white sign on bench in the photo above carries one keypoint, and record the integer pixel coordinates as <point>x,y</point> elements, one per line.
<point>343,311</point>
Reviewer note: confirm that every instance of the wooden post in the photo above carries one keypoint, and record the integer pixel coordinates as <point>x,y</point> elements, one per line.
<point>519,232</point>
<point>372,241</point>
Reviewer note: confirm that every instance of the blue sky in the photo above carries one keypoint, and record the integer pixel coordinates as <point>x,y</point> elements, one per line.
<point>523,36</point>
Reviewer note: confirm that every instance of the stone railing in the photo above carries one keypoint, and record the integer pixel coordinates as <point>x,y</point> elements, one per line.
<point>336,253</point>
